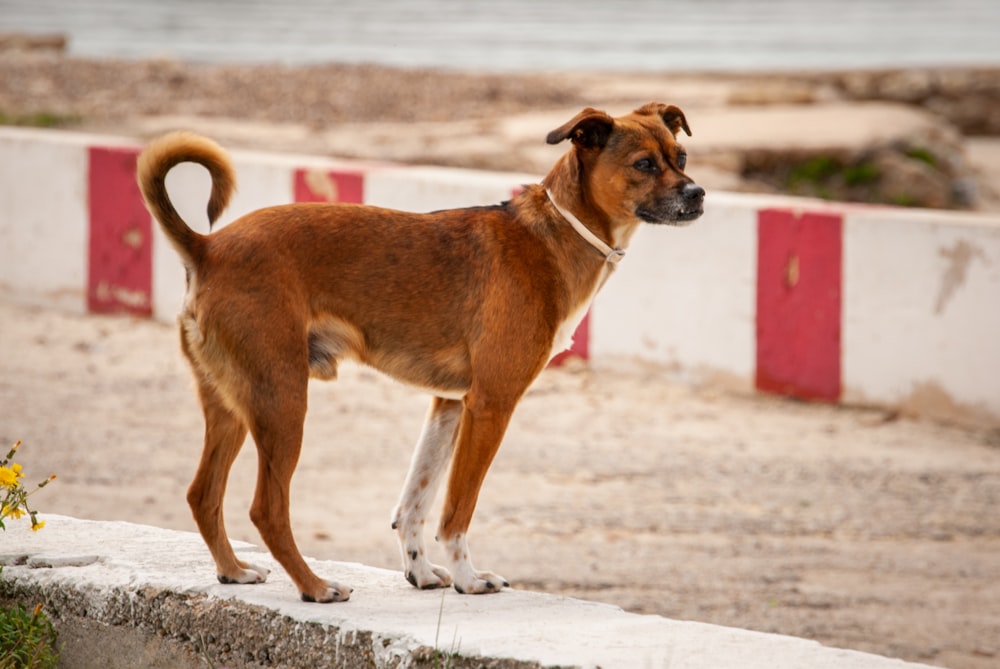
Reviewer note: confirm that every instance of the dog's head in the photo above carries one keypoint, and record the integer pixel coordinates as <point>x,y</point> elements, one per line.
<point>632,166</point>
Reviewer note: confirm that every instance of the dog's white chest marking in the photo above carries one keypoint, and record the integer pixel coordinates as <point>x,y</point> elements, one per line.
<point>564,335</point>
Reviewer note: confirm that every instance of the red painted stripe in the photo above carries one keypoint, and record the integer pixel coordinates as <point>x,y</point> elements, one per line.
<point>799,304</point>
<point>120,251</point>
<point>329,186</point>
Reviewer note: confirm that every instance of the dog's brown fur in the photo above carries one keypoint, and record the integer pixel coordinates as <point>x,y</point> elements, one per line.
<point>467,303</point>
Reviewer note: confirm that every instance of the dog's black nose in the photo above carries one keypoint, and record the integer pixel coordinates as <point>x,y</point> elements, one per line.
<point>693,192</point>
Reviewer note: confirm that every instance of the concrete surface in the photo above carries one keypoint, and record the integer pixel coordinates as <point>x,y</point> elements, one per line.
<point>157,588</point>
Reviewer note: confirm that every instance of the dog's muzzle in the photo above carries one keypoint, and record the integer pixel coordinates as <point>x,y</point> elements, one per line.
<point>681,208</point>
<point>692,203</point>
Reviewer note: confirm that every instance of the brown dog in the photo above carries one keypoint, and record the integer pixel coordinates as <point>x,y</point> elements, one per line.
<point>468,304</point>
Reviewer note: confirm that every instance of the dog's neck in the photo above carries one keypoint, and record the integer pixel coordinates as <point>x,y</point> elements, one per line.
<point>612,256</point>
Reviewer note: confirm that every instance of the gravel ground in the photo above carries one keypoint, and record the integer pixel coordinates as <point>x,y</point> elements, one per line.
<point>106,92</point>
<point>499,122</point>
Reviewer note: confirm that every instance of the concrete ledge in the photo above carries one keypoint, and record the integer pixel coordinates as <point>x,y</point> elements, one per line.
<point>125,595</point>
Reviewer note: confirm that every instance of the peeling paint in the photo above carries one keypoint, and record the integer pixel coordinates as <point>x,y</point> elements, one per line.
<point>133,238</point>
<point>959,258</point>
<point>929,399</point>
<point>322,184</point>
<point>110,293</point>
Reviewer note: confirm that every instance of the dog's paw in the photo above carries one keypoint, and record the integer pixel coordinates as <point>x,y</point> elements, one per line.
<point>480,583</point>
<point>332,592</point>
<point>427,576</point>
<point>248,574</point>
<point>465,578</point>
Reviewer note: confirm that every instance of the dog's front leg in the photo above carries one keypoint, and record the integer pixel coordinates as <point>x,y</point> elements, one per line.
<point>482,428</point>
<point>430,459</point>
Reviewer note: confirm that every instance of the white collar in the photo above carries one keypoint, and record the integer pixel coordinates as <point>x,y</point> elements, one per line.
<point>612,256</point>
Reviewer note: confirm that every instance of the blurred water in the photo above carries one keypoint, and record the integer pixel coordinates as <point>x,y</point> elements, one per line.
<point>519,35</point>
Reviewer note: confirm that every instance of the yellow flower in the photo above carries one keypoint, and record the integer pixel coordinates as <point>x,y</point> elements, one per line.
<point>8,477</point>
<point>37,526</point>
<point>11,512</point>
<point>16,468</point>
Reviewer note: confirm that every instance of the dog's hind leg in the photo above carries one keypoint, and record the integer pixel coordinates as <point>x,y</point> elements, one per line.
<point>430,459</point>
<point>277,415</point>
<point>224,436</point>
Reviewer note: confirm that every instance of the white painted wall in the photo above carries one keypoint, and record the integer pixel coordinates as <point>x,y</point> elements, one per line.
<point>686,296</point>
<point>921,307</point>
<point>921,289</point>
<point>424,189</point>
<point>43,217</point>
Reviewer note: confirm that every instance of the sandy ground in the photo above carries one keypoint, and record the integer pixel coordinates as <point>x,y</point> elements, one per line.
<point>854,527</point>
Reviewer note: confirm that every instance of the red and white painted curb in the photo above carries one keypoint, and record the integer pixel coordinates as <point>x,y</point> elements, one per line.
<point>799,278</point>
<point>809,299</point>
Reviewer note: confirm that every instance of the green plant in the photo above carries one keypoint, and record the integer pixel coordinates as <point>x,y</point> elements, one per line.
<point>923,155</point>
<point>860,174</point>
<point>813,171</point>
<point>440,655</point>
<point>201,643</point>
<point>27,639</point>
<point>40,119</point>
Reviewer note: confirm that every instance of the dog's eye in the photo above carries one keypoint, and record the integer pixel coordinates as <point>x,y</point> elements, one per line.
<point>682,159</point>
<point>647,165</point>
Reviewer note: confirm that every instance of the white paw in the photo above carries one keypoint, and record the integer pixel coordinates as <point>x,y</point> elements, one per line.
<point>422,574</point>
<point>466,579</point>
<point>481,583</point>
<point>249,574</point>
<point>333,592</point>
<point>417,569</point>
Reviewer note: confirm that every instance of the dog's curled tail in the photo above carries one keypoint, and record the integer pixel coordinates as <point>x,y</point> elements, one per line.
<point>158,158</point>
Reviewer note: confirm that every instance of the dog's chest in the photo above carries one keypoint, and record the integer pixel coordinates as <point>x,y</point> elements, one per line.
<point>564,335</point>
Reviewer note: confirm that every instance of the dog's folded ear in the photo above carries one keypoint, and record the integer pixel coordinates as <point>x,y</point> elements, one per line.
<point>672,116</point>
<point>588,129</point>
<point>674,119</point>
